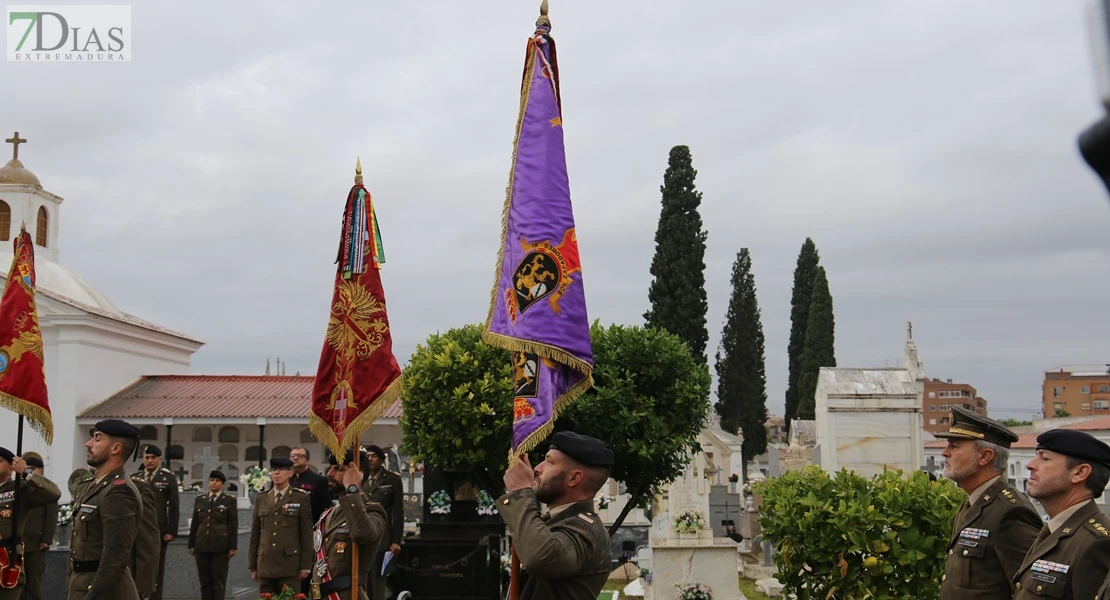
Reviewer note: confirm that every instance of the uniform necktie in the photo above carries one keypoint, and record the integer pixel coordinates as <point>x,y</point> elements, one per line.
<point>963,511</point>
<point>149,476</point>
<point>1045,532</point>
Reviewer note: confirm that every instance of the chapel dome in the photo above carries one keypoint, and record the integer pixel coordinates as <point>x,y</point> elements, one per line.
<point>55,278</point>
<point>15,172</point>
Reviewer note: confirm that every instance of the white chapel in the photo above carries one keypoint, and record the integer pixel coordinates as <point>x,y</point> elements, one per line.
<point>92,348</point>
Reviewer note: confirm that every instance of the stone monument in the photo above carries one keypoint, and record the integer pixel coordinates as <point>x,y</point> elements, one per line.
<point>677,557</point>
<point>870,419</point>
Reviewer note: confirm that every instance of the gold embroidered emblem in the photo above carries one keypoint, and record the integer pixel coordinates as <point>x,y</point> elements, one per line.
<point>340,548</point>
<point>356,329</point>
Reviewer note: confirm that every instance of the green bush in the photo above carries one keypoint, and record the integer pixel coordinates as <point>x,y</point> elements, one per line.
<point>847,537</point>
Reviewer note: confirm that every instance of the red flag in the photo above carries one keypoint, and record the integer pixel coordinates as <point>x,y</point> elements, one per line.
<point>22,368</point>
<point>358,377</point>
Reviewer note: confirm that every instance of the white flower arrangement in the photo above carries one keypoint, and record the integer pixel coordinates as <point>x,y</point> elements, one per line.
<point>604,501</point>
<point>507,563</point>
<point>256,479</point>
<point>689,521</point>
<point>65,514</point>
<point>440,503</point>
<point>693,591</point>
<point>485,504</point>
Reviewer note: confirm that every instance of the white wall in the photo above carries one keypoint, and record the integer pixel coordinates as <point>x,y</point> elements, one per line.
<point>24,205</point>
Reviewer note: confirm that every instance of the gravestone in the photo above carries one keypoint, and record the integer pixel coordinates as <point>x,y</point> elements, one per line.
<point>455,556</point>
<point>679,558</point>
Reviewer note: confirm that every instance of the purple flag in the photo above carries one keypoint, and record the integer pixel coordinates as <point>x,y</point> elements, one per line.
<point>538,308</point>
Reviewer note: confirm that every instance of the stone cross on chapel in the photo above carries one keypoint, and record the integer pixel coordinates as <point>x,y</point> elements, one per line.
<point>15,141</point>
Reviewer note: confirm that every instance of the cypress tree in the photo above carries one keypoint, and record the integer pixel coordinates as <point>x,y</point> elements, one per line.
<point>677,293</point>
<point>820,344</point>
<point>741,375</point>
<point>804,273</point>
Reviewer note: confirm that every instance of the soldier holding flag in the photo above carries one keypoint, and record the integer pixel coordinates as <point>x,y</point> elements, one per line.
<point>36,491</point>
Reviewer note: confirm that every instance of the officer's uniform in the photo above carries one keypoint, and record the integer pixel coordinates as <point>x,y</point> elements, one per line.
<point>164,483</point>
<point>994,528</point>
<point>565,554</point>
<point>212,535</point>
<point>355,519</point>
<point>36,491</point>
<point>387,490</point>
<point>147,551</point>
<point>107,516</point>
<point>281,536</point>
<point>1071,556</point>
<point>39,529</point>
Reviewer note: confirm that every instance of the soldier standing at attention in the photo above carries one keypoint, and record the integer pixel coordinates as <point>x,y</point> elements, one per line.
<point>214,536</point>
<point>1071,555</point>
<point>354,519</point>
<point>281,533</point>
<point>164,483</point>
<point>565,553</point>
<point>108,510</point>
<point>35,491</point>
<point>997,524</point>
<point>385,488</point>
<point>38,535</point>
<point>147,550</point>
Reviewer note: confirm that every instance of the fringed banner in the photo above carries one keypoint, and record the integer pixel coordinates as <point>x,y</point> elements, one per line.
<point>358,377</point>
<point>22,366</point>
<point>538,305</point>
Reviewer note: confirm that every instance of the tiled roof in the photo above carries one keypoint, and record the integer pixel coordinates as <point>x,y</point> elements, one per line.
<point>213,397</point>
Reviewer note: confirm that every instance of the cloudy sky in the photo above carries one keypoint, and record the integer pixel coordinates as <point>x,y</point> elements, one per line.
<point>928,149</point>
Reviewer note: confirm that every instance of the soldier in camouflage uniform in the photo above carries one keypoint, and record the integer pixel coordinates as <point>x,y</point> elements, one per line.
<point>565,553</point>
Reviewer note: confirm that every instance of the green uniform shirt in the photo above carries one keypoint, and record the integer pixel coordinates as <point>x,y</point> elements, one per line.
<point>988,545</point>
<point>1071,562</point>
<point>565,557</point>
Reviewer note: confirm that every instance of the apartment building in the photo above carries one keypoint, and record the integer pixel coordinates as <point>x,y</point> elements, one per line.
<point>1076,390</point>
<point>941,395</point>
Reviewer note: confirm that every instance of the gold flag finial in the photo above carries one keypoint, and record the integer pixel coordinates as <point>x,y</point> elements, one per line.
<point>543,21</point>
<point>543,8</point>
<point>358,171</point>
<point>22,226</point>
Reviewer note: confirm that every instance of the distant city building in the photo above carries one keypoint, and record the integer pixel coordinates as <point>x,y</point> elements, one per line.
<point>939,398</point>
<point>1077,390</point>
<point>776,429</point>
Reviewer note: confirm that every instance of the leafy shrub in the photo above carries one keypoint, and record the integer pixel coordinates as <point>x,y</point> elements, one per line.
<point>847,537</point>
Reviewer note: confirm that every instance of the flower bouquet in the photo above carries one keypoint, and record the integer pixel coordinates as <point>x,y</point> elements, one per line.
<point>485,504</point>
<point>256,479</point>
<point>689,521</point>
<point>439,503</point>
<point>65,514</point>
<point>693,591</point>
<point>286,593</point>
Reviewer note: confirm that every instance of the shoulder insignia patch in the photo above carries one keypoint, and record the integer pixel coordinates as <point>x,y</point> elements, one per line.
<point>585,518</point>
<point>1098,526</point>
<point>165,470</point>
<point>119,481</point>
<point>88,479</point>
<point>300,490</point>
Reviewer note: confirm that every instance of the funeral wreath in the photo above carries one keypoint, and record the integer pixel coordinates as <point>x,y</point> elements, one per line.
<point>485,504</point>
<point>689,521</point>
<point>65,514</point>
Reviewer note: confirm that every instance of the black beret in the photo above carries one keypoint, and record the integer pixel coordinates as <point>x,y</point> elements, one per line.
<point>152,450</point>
<point>348,458</point>
<point>115,428</point>
<point>278,462</point>
<point>218,474</point>
<point>372,449</point>
<point>968,425</point>
<point>33,459</point>
<point>583,448</point>
<point>1077,444</point>
<point>6,454</point>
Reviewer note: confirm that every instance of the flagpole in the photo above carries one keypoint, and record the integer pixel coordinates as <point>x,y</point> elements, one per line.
<point>354,549</point>
<point>15,538</point>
